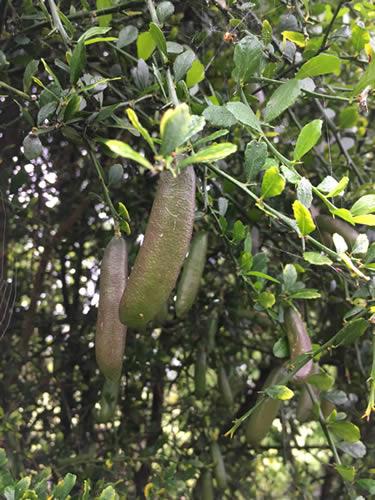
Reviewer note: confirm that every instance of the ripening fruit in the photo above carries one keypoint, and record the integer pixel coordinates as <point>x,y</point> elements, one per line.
<point>164,248</point>
<point>110,333</point>
<point>219,466</point>
<point>188,285</point>
<point>305,406</point>
<point>200,369</point>
<point>331,225</point>
<point>260,421</point>
<point>299,341</point>
<point>225,388</point>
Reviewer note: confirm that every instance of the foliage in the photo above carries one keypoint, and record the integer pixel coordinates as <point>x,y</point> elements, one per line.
<point>272,105</point>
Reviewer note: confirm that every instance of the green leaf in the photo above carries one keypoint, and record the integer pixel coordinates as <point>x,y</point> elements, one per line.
<point>266,299</point>
<point>211,137</point>
<point>320,65</point>
<point>340,243</point>
<point>289,175</point>
<point>127,35</point>
<point>182,64</point>
<point>32,147</point>
<point>64,487</point>
<point>158,37</point>
<point>239,231</point>
<point>125,151</point>
<point>341,186</point>
<point>77,61</point>
<point>289,276</point>
<point>344,214</point>
<point>265,276</point>
<point>21,486</point>
<point>281,392</point>
<point>304,192</point>
<point>355,450</point>
<point>305,293</point>
<point>46,112</point>
<point>195,74</point>
<point>317,259</point>
<point>255,157</point>
<point>346,431</point>
<point>212,153</point>
<point>30,71</point>
<point>133,118</point>
<point>328,184</point>
<point>219,116</point>
<point>365,205</point>
<point>346,472</point>
<point>366,80</point>
<point>164,10</point>
<point>351,332</point>
<point>93,32</point>
<point>367,484</point>
<point>177,126</point>
<point>361,245</point>
<point>273,183</point>
<point>248,58</point>
<point>104,20</point>
<point>307,138</point>
<point>244,114</point>
<point>322,381</point>
<point>281,348</point>
<point>109,493</point>
<point>360,37</point>
<point>303,218</point>
<point>283,97</point>
<point>100,39</point>
<point>145,45</point>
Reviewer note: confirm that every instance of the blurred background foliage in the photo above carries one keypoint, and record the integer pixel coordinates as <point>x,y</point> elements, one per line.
<point>55,102</point>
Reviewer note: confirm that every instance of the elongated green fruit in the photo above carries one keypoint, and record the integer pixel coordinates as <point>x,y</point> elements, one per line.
<point>108,401</point>
<point>219,466</point>
<point>200,370</point>
<point>207,489</point>
<point>225,388</point>
<point>188,286</point>
<point>260,421</point>
<point>305,406</point>
<point>110,333</point>
<point>213,324</point>
<point>331,225</point>
<point>299,341</point>
<point>162,253</point>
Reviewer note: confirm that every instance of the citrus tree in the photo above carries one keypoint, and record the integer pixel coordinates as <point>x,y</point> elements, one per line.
<point>187,259</point>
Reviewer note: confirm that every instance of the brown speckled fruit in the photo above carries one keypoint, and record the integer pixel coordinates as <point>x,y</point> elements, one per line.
<point>330,225</point>
<point>163,251</point>
<point>299,341</point>
<point>110,332</point>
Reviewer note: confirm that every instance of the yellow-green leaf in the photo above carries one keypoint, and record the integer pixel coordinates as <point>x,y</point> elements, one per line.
<point>124,150</point>
<point>137,125</point>
<point>295,37</point>
<point>195,73</point>
<point>367,220</point>
<point>273,183</point>
<point>145,45</point>
<point>303,218</point>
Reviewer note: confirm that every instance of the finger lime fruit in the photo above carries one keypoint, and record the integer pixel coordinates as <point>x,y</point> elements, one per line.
<point>108,401</point>
<point>305,405</point>
<point>188,285</point>
<point>299,341</point>
<point>163,251</point>
<point>219,466</point>
<point>225,388</point>
<point>110,332</point>
<point>260,421</point>
<point>204,489</point>
<point>213,324</point>
<point>200,370</point>
<point>330,225</point>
